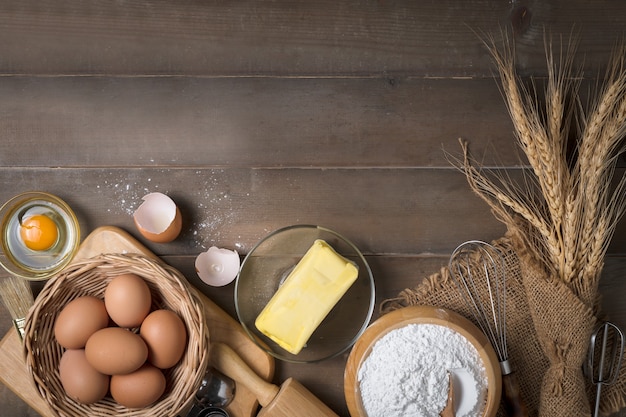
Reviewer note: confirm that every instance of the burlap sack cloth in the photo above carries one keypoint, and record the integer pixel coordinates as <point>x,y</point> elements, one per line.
<point>559,221</point>
<point>548,334</point>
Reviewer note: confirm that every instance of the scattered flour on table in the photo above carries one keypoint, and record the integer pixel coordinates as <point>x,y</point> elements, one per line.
<point>210,211</point>
<point>406,373</point>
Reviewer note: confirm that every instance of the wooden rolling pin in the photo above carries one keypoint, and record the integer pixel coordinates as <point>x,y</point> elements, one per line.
<point>291,399</point>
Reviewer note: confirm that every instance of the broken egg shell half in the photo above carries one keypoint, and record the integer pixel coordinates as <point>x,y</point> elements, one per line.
<point>217,267</point>
<point>158,219</point>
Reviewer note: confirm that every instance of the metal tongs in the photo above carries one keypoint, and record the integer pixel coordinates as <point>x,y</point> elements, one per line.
<point>608,341</point>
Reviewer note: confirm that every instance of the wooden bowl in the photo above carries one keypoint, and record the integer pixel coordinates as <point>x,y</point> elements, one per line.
<point>422,315</point>
<point>169,289</point>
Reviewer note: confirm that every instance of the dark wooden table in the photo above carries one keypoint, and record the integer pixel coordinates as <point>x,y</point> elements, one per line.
<point>257,115</point>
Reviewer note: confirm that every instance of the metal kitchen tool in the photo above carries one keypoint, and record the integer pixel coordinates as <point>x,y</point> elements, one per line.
<point>478,269</point>
<point>604,370</point>
<point>216,391</point>
<point>207,412</point>
<point>291,399</point>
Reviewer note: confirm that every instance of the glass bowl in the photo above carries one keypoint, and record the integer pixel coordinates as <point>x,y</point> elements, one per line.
<point>267,265</point>
<point>22,261</point>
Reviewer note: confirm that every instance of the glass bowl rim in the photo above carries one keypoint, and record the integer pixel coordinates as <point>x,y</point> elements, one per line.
<point>366,319</point>
<point>10,206</point>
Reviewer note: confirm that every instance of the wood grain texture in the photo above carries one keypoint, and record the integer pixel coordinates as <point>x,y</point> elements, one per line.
<point>222,328</point>
<point>292,38</point>
<point>253,116</point>
<point>381,210</point>
<point>252,122</point>
<point>392,274</point>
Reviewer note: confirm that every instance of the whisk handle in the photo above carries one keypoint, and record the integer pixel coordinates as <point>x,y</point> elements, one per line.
<point>513,403</point>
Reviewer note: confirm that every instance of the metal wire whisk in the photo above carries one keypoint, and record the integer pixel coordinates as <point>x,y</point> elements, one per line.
<point>479,271</point>
<point>605,369</point>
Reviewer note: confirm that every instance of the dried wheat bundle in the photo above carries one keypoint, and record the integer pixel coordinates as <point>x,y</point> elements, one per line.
<point>568,207</point>
<point>562,216</point>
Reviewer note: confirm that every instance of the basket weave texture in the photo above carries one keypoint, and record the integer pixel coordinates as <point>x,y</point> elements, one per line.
<point>169,290</point>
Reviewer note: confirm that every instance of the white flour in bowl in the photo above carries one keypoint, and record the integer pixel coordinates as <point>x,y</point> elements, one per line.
<point>406,373</point>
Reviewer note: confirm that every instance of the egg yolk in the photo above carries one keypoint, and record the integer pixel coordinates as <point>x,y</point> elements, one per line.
<point>39,232</point>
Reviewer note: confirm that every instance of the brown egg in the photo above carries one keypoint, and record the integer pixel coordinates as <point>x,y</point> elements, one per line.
<point>158,218</point>
<point>78,320</point>
<point>115,350</point>
<point>140,388</point>
<point>128,300</point>
<point>166,336</point>
<point>80,380</point>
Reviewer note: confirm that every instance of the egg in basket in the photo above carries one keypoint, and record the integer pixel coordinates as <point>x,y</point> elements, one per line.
<point>173,312</point>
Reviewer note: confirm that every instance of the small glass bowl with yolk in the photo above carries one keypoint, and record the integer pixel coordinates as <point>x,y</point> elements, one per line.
<point>40,234</point>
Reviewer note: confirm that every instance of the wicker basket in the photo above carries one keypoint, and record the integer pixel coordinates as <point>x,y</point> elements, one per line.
<point>89,277</point>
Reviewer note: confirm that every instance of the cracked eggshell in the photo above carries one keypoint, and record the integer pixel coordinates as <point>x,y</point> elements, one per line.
<point>158,219</point>
<point>217,267</point>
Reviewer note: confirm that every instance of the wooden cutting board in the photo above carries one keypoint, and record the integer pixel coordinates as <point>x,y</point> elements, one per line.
<point>222,328</point>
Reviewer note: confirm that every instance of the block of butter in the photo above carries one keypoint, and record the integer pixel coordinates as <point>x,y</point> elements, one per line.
<point>308,294</point>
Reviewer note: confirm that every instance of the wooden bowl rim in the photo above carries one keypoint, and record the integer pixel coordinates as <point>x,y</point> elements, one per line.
<point>422,315</point>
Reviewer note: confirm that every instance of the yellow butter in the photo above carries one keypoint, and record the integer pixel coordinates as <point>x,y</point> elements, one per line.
<point>308,294</point>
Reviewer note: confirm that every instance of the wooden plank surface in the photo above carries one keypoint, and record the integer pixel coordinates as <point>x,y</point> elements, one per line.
<point>393,274</point>
<point>383,210</point>
<point>257,115</point>
<point>258,122</point>
<point>221,326</point>
<point>302,38</point>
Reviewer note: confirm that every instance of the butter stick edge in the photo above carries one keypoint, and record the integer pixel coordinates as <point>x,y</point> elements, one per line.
<point>290,320</point>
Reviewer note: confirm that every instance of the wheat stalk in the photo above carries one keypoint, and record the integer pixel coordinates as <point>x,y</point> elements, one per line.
<point>542,138</point>
<point>597,144</point>
<point>600,144</point>
<point>570,225</point>
<point>506,200</point>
